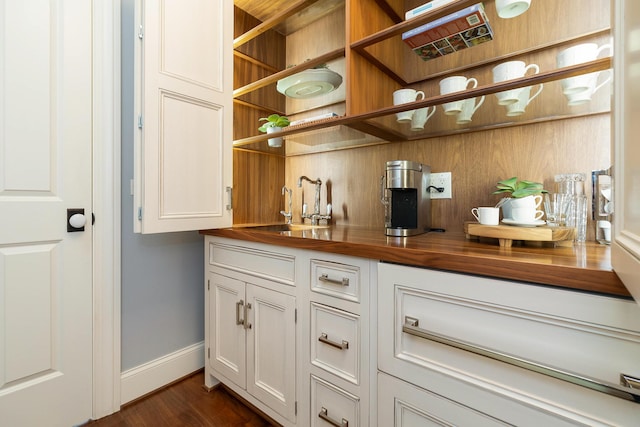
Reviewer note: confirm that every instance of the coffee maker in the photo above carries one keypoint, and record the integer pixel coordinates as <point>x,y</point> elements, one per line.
<point>405,195</point>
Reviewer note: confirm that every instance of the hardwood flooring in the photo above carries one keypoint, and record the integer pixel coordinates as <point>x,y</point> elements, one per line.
<point>185,403</point>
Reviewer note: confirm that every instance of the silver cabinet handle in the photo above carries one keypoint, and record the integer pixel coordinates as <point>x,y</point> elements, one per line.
<point>630,382</point>
<point>325,278</point>
<point>324,338</point>
<point>411,327</point>
<point>324,415</point>
<point>229,191</point>
<point>247,307</point>
<point>238,320</point>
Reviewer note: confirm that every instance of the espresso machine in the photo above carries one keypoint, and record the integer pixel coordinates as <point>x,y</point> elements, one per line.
<point>405,195</point>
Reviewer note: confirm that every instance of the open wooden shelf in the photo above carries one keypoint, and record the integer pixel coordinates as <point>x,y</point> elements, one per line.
<point>379,45</point>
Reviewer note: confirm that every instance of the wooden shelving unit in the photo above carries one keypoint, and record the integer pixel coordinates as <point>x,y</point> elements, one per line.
<point>370,67</point>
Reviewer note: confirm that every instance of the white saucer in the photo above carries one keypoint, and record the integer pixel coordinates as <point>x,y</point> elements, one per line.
<point>534,223</point>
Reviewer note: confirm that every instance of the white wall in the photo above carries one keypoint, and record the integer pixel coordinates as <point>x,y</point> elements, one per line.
<point>162,275</point>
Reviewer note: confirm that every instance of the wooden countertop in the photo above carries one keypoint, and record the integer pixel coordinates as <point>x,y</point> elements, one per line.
<point>584,267</point>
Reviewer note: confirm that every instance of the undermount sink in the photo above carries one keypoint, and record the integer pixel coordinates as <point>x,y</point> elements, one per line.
<point>289,227</point>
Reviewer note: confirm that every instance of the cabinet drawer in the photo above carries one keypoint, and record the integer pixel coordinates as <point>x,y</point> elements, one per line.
<point>335,279</point>
<point>401,404</point>
<point>260,263</point>
<point>335,341</point>
<point>332,406</point>
<point>509,337</point>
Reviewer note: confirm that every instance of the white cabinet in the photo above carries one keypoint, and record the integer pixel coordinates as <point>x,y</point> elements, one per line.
<point>183,106</point>
<point>401,404</point>
<point>251,330</point>
<point>625,248</point>
<point>476,342</point>
<point>340,339</point>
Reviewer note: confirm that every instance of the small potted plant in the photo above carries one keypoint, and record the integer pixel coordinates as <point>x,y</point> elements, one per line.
<point>523,194</point>
<point>274,123</point>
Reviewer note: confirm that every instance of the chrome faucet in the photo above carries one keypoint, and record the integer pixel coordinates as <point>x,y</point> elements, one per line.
<point>287,215</point>
<point>316,215</point>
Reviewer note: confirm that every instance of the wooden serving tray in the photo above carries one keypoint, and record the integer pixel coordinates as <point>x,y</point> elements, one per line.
<point>506,234</point>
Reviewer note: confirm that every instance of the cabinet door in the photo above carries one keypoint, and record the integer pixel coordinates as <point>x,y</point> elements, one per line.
<point>271,372</point>
<point>228,348</point>
<point>184,79</point>
<point>625,254</point>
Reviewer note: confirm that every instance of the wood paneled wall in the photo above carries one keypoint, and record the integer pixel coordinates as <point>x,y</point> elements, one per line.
<point>477,161</point>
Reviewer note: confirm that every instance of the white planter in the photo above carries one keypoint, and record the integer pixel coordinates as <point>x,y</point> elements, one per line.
<point>274,142</point>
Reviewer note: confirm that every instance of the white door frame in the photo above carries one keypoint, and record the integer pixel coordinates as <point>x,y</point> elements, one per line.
<point>106,207</point>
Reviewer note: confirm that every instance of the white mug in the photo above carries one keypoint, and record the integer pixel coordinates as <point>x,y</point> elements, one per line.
<point>526,215</point>
<point>584,96</point>
<point>511,8</point>
<point>469,107</point>
<point>517,108</point>
<point>487,215</point>
<point>455,84</point>
<point>403,96</point>
<point>578,54</point>
<point>508,71</point>
<point>420,117</point>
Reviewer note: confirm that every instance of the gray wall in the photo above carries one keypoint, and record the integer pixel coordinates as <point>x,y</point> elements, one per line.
<point>162,275</point>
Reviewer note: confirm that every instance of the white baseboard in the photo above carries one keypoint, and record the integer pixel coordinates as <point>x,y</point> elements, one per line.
<point>143,379</point>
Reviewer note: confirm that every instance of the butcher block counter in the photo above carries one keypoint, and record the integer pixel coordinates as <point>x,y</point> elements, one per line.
<point>585,266</point>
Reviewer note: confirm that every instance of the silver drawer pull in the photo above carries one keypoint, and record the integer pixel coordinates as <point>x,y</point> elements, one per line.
<point>411,327</point>
<point>323,415</point>
<point>325,339</point>
<point>325,278</point>
<point>238,320</point>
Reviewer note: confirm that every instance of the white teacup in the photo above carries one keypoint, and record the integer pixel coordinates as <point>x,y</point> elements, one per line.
<point>517,108</point>
<point>455,84</point>
<point>403,96</point>
<point>487,215</point>
<point>420,117</point>
<point>526,215</point>
<point>584,96</point>
<point>532,202</point>
<point>511,8</point>
<point>469,107</point>
<point>508,71</point>
<point>578,54</point>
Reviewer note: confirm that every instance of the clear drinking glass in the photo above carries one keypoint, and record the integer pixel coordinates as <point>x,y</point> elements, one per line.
<point>556,208</point>
<point>573,184</point>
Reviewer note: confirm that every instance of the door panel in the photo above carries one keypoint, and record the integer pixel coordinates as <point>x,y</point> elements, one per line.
<point>271,349</point>
<point>228,355</point>
<point>45,168</point>
<point>625,248</point>
<point>184,164</point>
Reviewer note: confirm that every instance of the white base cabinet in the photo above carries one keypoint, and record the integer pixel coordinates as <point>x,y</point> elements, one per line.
<point>432,324</point>
<point>254,330</point>
<point>291,331</point>
<point>251,327</point>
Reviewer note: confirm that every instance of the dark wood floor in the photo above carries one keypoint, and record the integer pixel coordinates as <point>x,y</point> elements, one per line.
<point>185,403</point>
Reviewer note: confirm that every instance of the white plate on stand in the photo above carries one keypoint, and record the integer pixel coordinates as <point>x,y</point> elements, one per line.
<point>534,223</point>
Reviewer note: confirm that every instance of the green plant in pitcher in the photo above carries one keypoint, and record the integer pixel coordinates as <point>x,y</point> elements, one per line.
<point>519,189</point>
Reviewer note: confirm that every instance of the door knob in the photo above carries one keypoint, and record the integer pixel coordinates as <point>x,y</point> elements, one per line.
<point>75,220</point>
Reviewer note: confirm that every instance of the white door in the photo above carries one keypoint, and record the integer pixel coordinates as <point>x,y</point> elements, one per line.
<point>271,344</point>
<point>45,169</point>
<point>184,89</point>
<point>625,248</point>
<point>228,352</point>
